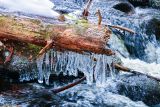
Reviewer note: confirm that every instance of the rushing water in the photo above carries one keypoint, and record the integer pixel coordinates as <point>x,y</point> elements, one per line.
<point>103,87</point>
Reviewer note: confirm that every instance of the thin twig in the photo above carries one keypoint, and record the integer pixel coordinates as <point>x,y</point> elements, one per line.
<point>47,47</point>
<point>86,12</point>
<point>98,13</point>
<point>122,28</point>
<point>69,85</point>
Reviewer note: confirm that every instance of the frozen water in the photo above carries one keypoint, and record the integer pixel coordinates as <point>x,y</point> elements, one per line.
<point>95,67</point>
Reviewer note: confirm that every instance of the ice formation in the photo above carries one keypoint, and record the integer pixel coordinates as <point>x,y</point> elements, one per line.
<point>95,67</point>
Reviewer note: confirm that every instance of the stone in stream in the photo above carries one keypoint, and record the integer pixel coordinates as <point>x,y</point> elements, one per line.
<point>139,2</point>
<point>148,3</point>
<point>153,27</point>
<point>155,3</point>
<point>126,90</point>
<point>139,88</point>
<point>124,7</point>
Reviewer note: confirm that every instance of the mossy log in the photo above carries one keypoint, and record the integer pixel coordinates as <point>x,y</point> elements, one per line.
<point>70,37</point>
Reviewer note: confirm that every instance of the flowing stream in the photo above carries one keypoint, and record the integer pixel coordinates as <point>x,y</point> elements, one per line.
<point>104,86</point>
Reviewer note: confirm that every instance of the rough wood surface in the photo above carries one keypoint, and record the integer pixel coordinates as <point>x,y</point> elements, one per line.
<point>65,37</point>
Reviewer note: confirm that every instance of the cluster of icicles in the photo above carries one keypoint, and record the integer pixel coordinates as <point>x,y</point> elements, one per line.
<point>95,67</point>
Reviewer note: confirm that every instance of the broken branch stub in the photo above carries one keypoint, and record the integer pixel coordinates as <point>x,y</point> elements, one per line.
<point>85,11</point>
<point>122,28</point>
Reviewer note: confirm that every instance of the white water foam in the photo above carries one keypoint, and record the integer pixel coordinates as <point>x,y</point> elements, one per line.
<point>152,53</point>
<point>141,66</point>
<point>152,56</point>
<point>36,7</point>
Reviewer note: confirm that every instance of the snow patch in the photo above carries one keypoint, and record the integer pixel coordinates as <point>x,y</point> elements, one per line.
<point>36,7</point>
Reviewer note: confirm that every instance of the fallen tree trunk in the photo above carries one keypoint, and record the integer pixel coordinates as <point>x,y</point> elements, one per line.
<point>64,37</point>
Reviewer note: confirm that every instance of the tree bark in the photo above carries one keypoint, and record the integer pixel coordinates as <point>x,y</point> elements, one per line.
<point>64,37</point>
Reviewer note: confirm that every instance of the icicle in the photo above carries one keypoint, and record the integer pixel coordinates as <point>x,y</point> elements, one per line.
<point>94,66</point>
<point>102,69</point>
<point>99,72</point>
<point>40,71</point>
<point>86,66</point>
<point>71,65</point>
<point>47,68</point>
<point>44,65</point>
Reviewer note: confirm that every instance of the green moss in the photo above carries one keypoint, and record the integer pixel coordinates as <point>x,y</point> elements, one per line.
<point>34,48</point>
<point>2,20</point>
<point>83,23</point>
<point>3,17</point>
<point>35,21</point>
<point>70,17</point>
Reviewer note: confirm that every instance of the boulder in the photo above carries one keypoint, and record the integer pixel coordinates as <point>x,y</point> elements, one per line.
<point>153,27</point>
<point>124,7</point>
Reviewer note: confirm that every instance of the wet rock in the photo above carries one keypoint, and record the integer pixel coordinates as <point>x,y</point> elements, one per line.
<point>3,85</point>
<point>26,69</point>
<point>7,79</point>
<point>155,3</point>
<point>126,90</point>
<point>44,99</point>
<point>153,27</point>
<point>32,95</point>
<point>124,7</point>
<point>140,88</point>
<point>148,3</point>
<point>92,96</point>
<point>139,2</point>
<point>135,44</point>
<point>114,100</point>
<point>157,105</point>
